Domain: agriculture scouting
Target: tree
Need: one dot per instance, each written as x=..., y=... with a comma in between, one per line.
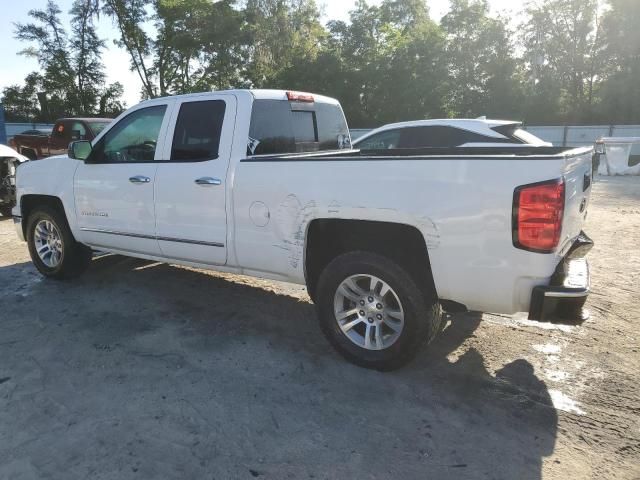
x=620, y=92
x=85, y=50
x=72, y=78
x=564, y=53
x=483, y=74
x=129, y=17
x=21, y=102
x=385, y=65
x=280, y=33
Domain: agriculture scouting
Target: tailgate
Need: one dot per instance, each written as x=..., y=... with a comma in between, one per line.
x=578, y=180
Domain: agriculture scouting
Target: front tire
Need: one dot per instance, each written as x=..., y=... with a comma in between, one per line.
x=373, y=312
x=53, y=250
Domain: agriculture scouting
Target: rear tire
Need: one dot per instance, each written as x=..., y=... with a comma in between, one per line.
x=373, y=312
x=53, y=250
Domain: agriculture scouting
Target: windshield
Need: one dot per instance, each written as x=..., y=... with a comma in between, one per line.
x=97, y=127
x=518, y=135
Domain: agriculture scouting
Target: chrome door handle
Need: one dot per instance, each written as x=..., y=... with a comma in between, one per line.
x=139, y=179
x=208, y=181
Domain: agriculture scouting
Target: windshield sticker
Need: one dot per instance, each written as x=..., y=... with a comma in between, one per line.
x=344, y=141
x=252, y=144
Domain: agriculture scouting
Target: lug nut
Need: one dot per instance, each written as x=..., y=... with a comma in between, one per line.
x=361, y=313
x=371, y=299
x=379, y=306
x=379, y=317
x=370, y=320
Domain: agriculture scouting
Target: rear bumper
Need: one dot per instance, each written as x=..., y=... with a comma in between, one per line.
x=562, y=300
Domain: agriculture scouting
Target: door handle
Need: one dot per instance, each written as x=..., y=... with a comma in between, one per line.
x=139, y=179
x=208, y=181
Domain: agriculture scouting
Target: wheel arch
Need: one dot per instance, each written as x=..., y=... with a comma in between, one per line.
x=403, y=243
x=30, y=153
x=29, y=202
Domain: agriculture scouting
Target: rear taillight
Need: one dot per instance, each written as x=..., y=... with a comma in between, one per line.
x=537, y=216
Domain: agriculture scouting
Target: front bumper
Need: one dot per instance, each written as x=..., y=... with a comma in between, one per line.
x=563, y=299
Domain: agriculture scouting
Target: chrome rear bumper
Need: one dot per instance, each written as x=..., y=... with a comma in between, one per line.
x=562, y=300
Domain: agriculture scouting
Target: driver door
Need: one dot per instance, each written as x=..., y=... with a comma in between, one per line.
x=114, y=187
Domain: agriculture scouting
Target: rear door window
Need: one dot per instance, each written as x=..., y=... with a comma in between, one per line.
x=197, y=133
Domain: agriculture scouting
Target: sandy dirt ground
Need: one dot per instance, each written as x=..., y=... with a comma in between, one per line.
x=146, y=371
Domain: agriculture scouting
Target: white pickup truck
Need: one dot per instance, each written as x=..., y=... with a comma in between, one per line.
x=265, y=183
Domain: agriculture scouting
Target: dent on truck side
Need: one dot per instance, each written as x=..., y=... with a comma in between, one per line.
x=293, y=218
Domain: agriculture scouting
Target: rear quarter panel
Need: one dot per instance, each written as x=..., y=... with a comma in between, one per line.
x=462, y=207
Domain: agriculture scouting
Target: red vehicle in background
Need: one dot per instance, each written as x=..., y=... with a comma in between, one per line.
x=65, y=131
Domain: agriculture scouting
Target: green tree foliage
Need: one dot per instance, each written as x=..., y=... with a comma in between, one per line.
x=563, y=43
x=620, y=92
x=71, y=81
x=21, y=102
x=569, y=60
x=482, y=71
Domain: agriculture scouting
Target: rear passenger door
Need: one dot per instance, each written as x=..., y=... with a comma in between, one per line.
x=190, y=188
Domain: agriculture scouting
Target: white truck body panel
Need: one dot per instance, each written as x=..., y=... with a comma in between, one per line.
x=256, y=220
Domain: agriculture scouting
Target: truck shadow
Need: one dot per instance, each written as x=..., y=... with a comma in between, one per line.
x=267, y=388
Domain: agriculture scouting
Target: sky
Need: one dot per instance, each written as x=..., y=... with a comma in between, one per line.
x=15, y=67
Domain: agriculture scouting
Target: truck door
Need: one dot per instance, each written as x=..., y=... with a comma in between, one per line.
x=114, y=188
x=191, y=216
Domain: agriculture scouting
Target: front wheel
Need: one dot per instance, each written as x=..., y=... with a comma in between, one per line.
x=372, y=311
x=53, y=250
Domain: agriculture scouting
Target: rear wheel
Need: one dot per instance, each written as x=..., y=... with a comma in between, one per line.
x=372, y=311
x=53, y=250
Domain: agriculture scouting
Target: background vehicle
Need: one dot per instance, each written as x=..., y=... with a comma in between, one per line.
x=35, y=146
x=9, y=161
x=263, y=183
x=42, y=133
x=449, y=133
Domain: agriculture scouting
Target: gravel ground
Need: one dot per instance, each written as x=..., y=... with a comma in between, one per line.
x=144, y=371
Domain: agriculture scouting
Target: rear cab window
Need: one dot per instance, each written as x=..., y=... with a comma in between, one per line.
x=281, y=126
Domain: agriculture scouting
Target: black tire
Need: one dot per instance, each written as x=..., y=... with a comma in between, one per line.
x=422, y=312
x=75, y=258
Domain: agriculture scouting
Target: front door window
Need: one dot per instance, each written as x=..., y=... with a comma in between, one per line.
x=132, y=140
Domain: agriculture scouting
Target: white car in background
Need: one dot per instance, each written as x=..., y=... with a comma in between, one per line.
x=449, y=133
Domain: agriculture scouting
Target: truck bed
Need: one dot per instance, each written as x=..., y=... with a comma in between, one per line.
x=460, y=199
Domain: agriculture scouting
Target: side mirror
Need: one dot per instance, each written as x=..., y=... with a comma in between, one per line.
x=79, y=149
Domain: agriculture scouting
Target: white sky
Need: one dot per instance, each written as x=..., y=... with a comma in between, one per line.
x=14, y=67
